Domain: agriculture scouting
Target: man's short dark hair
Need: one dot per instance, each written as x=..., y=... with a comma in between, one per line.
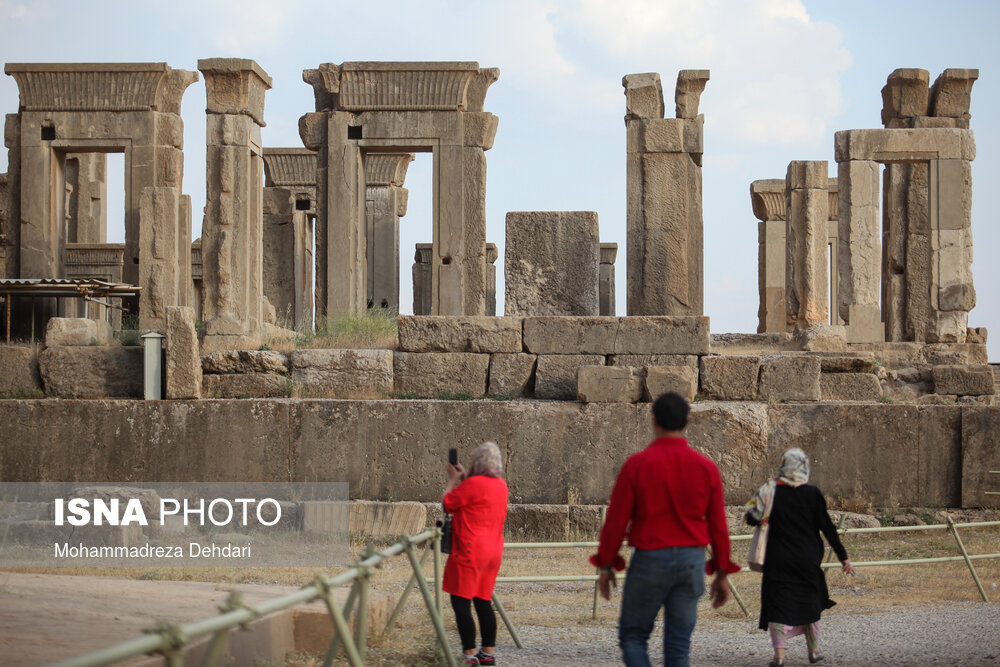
x=671, y=412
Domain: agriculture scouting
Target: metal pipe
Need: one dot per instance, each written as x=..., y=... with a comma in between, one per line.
x=334, y=648
x=406, y=592
x=965, y=555
x=436, y=619
x=604, y=514
x=438, y=583
x=506, y=621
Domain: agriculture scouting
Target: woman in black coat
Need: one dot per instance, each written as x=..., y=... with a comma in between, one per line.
x=793, y=590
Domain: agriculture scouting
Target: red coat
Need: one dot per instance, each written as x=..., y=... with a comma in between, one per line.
x=479, y=509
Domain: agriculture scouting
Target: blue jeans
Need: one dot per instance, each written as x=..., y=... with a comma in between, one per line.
x=673, y=578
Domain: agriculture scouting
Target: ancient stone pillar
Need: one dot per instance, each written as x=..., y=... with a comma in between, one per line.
x=859, y=253
x=87, y=194
x=806, y=237
x=385, y=204
x=664, y=214
x=768, y=200
x=232, y=233
x=491, y=278
x=832, y=232
x=551, y=263
x=606, y=279
x=422, y=262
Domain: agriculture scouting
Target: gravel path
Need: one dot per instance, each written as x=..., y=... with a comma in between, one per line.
x=965, y=633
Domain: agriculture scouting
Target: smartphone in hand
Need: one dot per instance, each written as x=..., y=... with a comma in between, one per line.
x=453, y=456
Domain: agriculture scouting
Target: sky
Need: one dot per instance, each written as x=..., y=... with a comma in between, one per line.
x=785, y=75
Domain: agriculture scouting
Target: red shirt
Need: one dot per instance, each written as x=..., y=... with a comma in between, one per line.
x=479, y=508
x=667, y=495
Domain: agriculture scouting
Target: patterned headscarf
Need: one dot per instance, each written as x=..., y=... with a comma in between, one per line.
x=793, y=471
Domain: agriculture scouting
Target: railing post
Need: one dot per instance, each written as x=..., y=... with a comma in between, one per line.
x=339, y=623
x=968, y=561
x=175, y=640
x=840, y=525
x=361, y=622
x=436, y=619
x=334, y=648
x=406, y=591
x=438, y=583
x=506, y=621
x=600, y=526
x=732, y=589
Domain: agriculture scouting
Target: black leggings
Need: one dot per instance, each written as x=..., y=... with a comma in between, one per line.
x=467, y=627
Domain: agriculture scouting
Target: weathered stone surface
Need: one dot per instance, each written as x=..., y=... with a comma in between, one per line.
x=850, y=387
x=946, y=143
x=537, y=523
x=687, y=94
x=608, y=384
x=617, y=335
x=92, y=372
x=904, y=96
x=951, y=94
x=511, y=375
x=342, y=373
x=437, y=374
x=659, y=380
x=246, y=385
x=459, y=334
x=183, y=360
x=325, y=516
x=19, y=377
x=555, y=374
x=963, y=380
x=807, y=275
x=790, y=378
x=735, y=436
x=641, y=360
x=552, y=263
x=584, y=521
x=77, y=331
x=980, y=454
x=379, y=519
x=854, y=520
x=759, y=343
x=730, y=378
x=643, y=95
x=245, y=361
x=859, y=253
x=855, y=363
x=939, y=463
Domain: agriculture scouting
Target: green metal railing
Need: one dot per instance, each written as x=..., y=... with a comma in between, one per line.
x=171, y=640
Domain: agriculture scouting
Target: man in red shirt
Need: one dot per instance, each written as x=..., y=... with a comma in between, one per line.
x=668, y=497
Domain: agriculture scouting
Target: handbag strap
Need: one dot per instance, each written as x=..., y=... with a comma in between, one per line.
x=769, y=503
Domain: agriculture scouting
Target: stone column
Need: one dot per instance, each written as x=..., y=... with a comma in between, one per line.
x=664, y=213
x=422, y=261
x=385, y=204
x=859, y=251
x=551, y=263
x=86, y=181
x=233, y=229
x=491, y=278
x=606, y=279
x=12, y=229
x=807, y=212
x=768, y=200
x=832, y=231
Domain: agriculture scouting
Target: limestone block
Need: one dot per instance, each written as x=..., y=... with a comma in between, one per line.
x=730, y=378
x=963, y=380
x=342, y=373
x=687, y=94
x=380, y=519
x=235, y=86
x=552, y=263
x=954, y=354
x=511, y=375
x=437, y=374
x=807, y=175
x=445, y=333
x=617, y=335
x=735, y=436
x=92, y=372
x=77, y=331
x=662, y=335
x=659, y=380
x=905, y=95
x=643, y=95
x=475, y=95
x=951, y=94
x=666, y=135
x=245, y=361
x=822, y=338
x=325, y=516
x=899, y=144
x=861, y=362
x=850, y=387
x=537, y=523
x=246, y=385
x=608, y=384
x=555, y=374
x=759, y=343
x=790, y=378
x=183, y=360
x=979, y=455
x=806, y=273
x=584, y=521
x=642, y=360
x=19, y=372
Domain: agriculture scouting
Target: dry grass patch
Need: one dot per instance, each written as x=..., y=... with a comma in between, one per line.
x=375, y=328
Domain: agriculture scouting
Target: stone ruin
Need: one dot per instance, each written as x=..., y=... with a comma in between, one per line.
x=856, y=310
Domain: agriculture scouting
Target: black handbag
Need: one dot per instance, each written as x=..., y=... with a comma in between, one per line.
x=445, y=526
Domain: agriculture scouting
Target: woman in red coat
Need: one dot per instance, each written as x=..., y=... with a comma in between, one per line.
x=477, y=501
